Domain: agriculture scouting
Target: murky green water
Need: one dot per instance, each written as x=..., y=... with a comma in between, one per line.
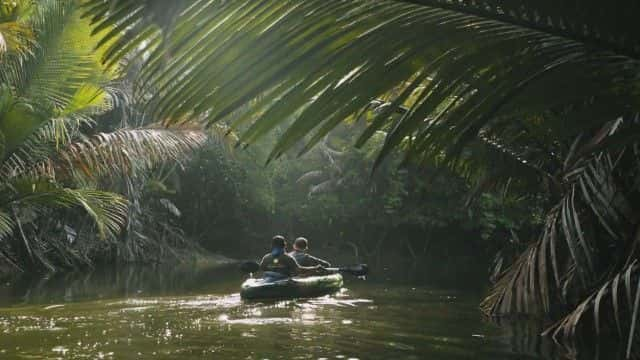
x=181, y=315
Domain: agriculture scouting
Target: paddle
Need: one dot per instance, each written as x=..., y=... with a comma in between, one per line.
x=355, y=270
x=249, y=267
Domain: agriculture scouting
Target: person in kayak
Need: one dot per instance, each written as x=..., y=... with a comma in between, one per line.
x=299, y=253
x=278, y=264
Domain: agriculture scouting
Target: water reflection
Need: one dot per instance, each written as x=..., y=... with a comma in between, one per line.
x=116, y=282
x=181, y=315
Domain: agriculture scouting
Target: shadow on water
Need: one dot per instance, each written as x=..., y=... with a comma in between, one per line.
x=183, y=313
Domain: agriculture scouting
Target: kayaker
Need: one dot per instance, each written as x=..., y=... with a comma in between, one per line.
x=299, y=253
x=278, y=264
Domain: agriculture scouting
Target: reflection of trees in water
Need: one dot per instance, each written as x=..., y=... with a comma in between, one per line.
x=524, y=337
x=123, y=281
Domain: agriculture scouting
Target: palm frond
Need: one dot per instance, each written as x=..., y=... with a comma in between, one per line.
x=65, y=62
x=523, y=288
x=600, y=27
x=121, y=152
x=43, y=144
x=61, y=79
x=618, y=296
x=108, y=210
x=6, y=225
x=303, y=62
x=591, y=217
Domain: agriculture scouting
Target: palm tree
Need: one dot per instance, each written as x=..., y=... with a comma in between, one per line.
x=53, y=87
x=506, y=92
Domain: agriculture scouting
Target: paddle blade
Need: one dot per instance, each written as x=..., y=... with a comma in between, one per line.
x=249, y=267
x=355, y=270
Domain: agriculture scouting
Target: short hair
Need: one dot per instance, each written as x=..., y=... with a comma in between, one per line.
x=278, y=241
x=301, y=243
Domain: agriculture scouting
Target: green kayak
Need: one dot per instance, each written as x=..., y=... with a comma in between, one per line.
x=291, y=288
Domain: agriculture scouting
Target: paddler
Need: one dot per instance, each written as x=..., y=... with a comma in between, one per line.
x=278, y=264
x=299, y=253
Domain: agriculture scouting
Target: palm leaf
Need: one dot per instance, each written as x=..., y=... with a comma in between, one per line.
x=607, y=28
x=606, y=295
x=307, y=59
x=107, y=209
x=590, y=198
x=44, y=143
x=62, y=78
x=6, y=225
x=122, y=152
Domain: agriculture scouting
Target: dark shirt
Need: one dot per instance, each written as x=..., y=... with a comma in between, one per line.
x=283, y=264
x=305, y=259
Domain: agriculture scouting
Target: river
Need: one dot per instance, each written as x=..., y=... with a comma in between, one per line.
x=138, y=313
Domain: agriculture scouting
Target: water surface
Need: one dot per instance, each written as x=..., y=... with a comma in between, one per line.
x=152, y=313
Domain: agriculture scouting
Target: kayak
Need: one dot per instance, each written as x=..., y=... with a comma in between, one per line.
x=295, y=287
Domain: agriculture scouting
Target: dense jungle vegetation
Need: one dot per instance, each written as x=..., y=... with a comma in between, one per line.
x=138, y=131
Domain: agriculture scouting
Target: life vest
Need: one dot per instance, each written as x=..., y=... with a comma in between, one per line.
x=300, y=257
x=277, y=264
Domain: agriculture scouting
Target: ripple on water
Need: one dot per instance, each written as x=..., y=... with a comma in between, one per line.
x=168, y=304
x=367, y=324
x=60, y=350
x=260, y=321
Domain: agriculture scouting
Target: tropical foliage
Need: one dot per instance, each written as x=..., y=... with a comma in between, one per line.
x=534, y=95
x=329, y=196
x=53, y=88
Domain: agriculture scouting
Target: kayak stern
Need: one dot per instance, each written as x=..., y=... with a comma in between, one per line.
x=296, y=287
